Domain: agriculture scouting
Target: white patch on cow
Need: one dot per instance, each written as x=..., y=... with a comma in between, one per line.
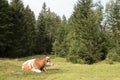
x=29, y=63
x=36, y=70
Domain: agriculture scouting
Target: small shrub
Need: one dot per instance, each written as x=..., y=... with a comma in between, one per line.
x=112, y=55
x=109, y=61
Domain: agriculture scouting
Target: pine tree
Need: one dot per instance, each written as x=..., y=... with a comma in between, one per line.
x=85, y=30
x=5, y=28
x=103, y=41
x=42, y=38
x=113, y=21
x=53, y=22
x=48, y=23
x=18, y=29
x=59, y=44
x=30, y=30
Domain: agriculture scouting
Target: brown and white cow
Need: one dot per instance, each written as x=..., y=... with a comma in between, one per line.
x=37, y=65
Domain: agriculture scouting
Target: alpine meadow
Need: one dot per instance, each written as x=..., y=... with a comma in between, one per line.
x=86, y=46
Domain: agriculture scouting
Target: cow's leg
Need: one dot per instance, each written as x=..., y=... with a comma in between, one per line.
x=44, y=69
x=36, y=70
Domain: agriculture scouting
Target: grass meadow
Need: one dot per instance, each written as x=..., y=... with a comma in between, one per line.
x=10, y=69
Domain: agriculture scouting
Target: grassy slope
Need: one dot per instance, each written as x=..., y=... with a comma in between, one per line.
x=10, y=69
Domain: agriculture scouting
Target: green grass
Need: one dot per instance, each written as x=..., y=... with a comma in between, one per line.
x=10, y=69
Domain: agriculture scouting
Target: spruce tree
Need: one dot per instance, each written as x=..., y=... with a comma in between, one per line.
x=19, y=29
x=48, y=23
x=59, y=44
x=5, y=29
x=113, y=21
x=85, y=30
x=42, y=38
x=30, y=30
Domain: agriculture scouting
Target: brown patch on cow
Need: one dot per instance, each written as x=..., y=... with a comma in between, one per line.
x=40, y=63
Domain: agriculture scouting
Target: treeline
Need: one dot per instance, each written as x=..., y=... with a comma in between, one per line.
x=89, y=35
x=21, y=34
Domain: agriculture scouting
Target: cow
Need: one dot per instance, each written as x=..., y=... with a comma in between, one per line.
x=36, y=65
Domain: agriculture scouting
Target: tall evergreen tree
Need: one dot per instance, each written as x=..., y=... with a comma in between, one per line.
x=42, y=38
x=30, y=30
x=113, y=21
x=85, y=30
x=53, y=22
x=47, y=24
x=5, y=28
x=19, y=29
x=59, y=44
x=104, y=40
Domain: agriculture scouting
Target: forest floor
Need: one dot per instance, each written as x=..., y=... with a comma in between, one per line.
x=10, y=69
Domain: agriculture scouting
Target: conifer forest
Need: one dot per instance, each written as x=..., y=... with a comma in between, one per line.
x=91, y=34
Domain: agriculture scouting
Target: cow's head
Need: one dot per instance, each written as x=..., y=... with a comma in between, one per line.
x=48, y=63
